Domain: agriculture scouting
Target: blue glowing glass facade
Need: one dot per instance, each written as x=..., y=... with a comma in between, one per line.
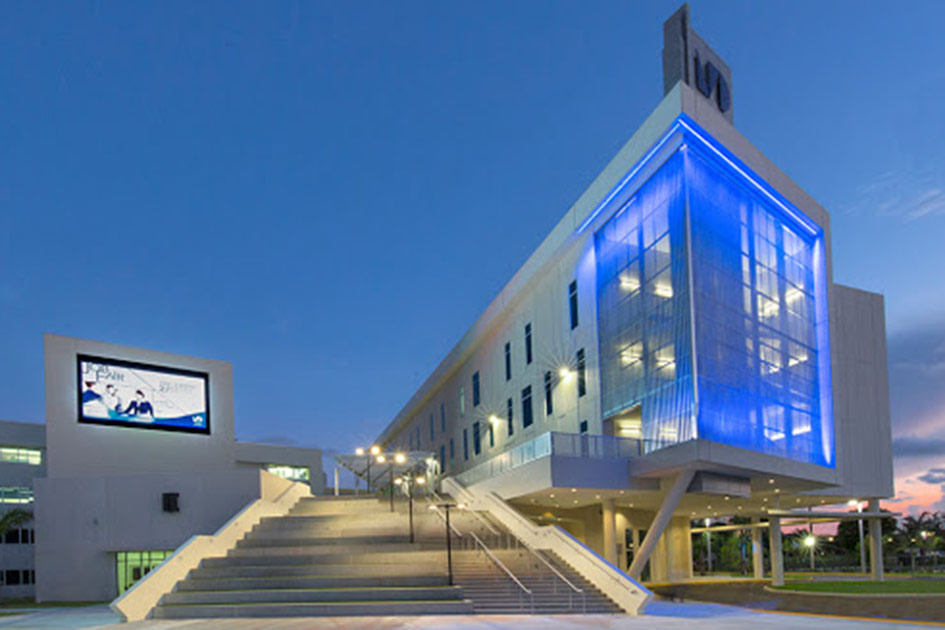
x=644, y=312
x=712, y=309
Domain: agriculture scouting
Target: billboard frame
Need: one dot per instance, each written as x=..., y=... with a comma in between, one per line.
x=82, y=419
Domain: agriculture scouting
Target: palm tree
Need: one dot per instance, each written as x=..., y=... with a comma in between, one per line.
x=14, y=519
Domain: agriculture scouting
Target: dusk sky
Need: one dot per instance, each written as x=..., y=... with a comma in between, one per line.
x=328, y=194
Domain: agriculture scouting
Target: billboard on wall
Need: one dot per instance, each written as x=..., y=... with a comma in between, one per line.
x=122, y=393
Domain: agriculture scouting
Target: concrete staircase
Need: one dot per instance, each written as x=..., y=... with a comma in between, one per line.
x=342, y=556
x=327, y=557
x=493, y=592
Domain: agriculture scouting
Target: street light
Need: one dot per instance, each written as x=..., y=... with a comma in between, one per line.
x=449, y=544
x=810, y=542
x=407, y=483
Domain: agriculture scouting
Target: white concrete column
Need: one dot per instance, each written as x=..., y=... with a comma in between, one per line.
x=876, y=544
x=757, y=550
x=663, y=516
x=777, y=554
x=608, y=515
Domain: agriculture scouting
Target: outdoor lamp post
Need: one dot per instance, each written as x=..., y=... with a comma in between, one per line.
x=810, y=542
x=406, y=482
x=449, y=542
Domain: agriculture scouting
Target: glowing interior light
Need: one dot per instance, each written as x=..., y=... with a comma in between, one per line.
x=632, y=354
x=663, y=290
x=796, y=360
x=629, y=282
x=668, y=433
x=792, y=295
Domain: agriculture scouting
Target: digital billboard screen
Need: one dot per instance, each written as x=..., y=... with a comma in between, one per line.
x=122, y=393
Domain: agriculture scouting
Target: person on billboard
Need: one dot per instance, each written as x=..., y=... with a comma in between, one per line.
x=140, y=406
x=112, y=399
x=90, y=395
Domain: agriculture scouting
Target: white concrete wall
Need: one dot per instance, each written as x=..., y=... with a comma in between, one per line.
x=90, y=450
x=253, y=455
x=82, y=521
x=861, y=394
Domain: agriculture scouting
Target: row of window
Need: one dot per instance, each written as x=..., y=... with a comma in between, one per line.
x=528, y=416
x=292, y=473
x=20, y=455
x=19, y=537
x=414, y=436
x=17, y=577
x=16, y=494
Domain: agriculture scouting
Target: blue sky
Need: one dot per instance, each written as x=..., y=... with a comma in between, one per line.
x=327, y=194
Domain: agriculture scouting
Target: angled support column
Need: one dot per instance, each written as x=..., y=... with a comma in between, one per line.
x=757, y=551
x=876, y=544
x=777, y=554
x=665, y=513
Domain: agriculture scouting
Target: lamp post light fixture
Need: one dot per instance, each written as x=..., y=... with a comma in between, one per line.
x=449, y=544
x=408, y=483
x=810, y=541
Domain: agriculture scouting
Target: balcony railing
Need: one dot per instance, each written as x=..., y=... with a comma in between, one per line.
x=554, y=443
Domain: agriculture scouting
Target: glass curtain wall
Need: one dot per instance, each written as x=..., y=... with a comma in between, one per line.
x=755, y=273
x=644, y=310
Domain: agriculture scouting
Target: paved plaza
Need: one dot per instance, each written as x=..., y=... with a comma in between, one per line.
x=660, y=615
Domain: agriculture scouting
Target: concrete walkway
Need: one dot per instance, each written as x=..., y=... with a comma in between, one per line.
x=660, y=616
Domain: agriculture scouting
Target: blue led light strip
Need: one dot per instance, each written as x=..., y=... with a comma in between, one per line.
x=682, y=122
x=629, y=176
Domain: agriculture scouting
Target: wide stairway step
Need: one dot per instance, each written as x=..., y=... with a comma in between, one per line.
x=328, y=609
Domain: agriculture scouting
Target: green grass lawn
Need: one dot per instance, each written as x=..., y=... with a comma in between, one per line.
x=869, y=588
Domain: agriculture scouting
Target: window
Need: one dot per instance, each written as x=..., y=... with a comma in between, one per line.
x=573, y=303
x=16, y=494
x=508, y=412
x=549, y=403
x=583, y=426
x=508, y=361
x=465, y=444
x=12, y=537
x=491, y=436
x=294, y=473
x=443, y=417
x=477, y=440
x=431, y=427
x=29, y=576
x=418, y=438
x=11, y=578
x=18, y=455
x=462, y=401
x=134, y=565
x=527, y=406
x=476, y=389
x=528, y=344
x=442, y=458
x=581, y=373
x=452, y=452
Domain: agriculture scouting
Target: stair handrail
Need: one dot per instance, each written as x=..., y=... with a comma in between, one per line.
x=537, y=555
x=476, y=515
x=558, y=573
x=508, y=572
x=436, y=510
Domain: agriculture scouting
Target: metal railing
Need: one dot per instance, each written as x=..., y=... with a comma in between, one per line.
x=562, y=445
x=508, y=541
x=525, y=594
